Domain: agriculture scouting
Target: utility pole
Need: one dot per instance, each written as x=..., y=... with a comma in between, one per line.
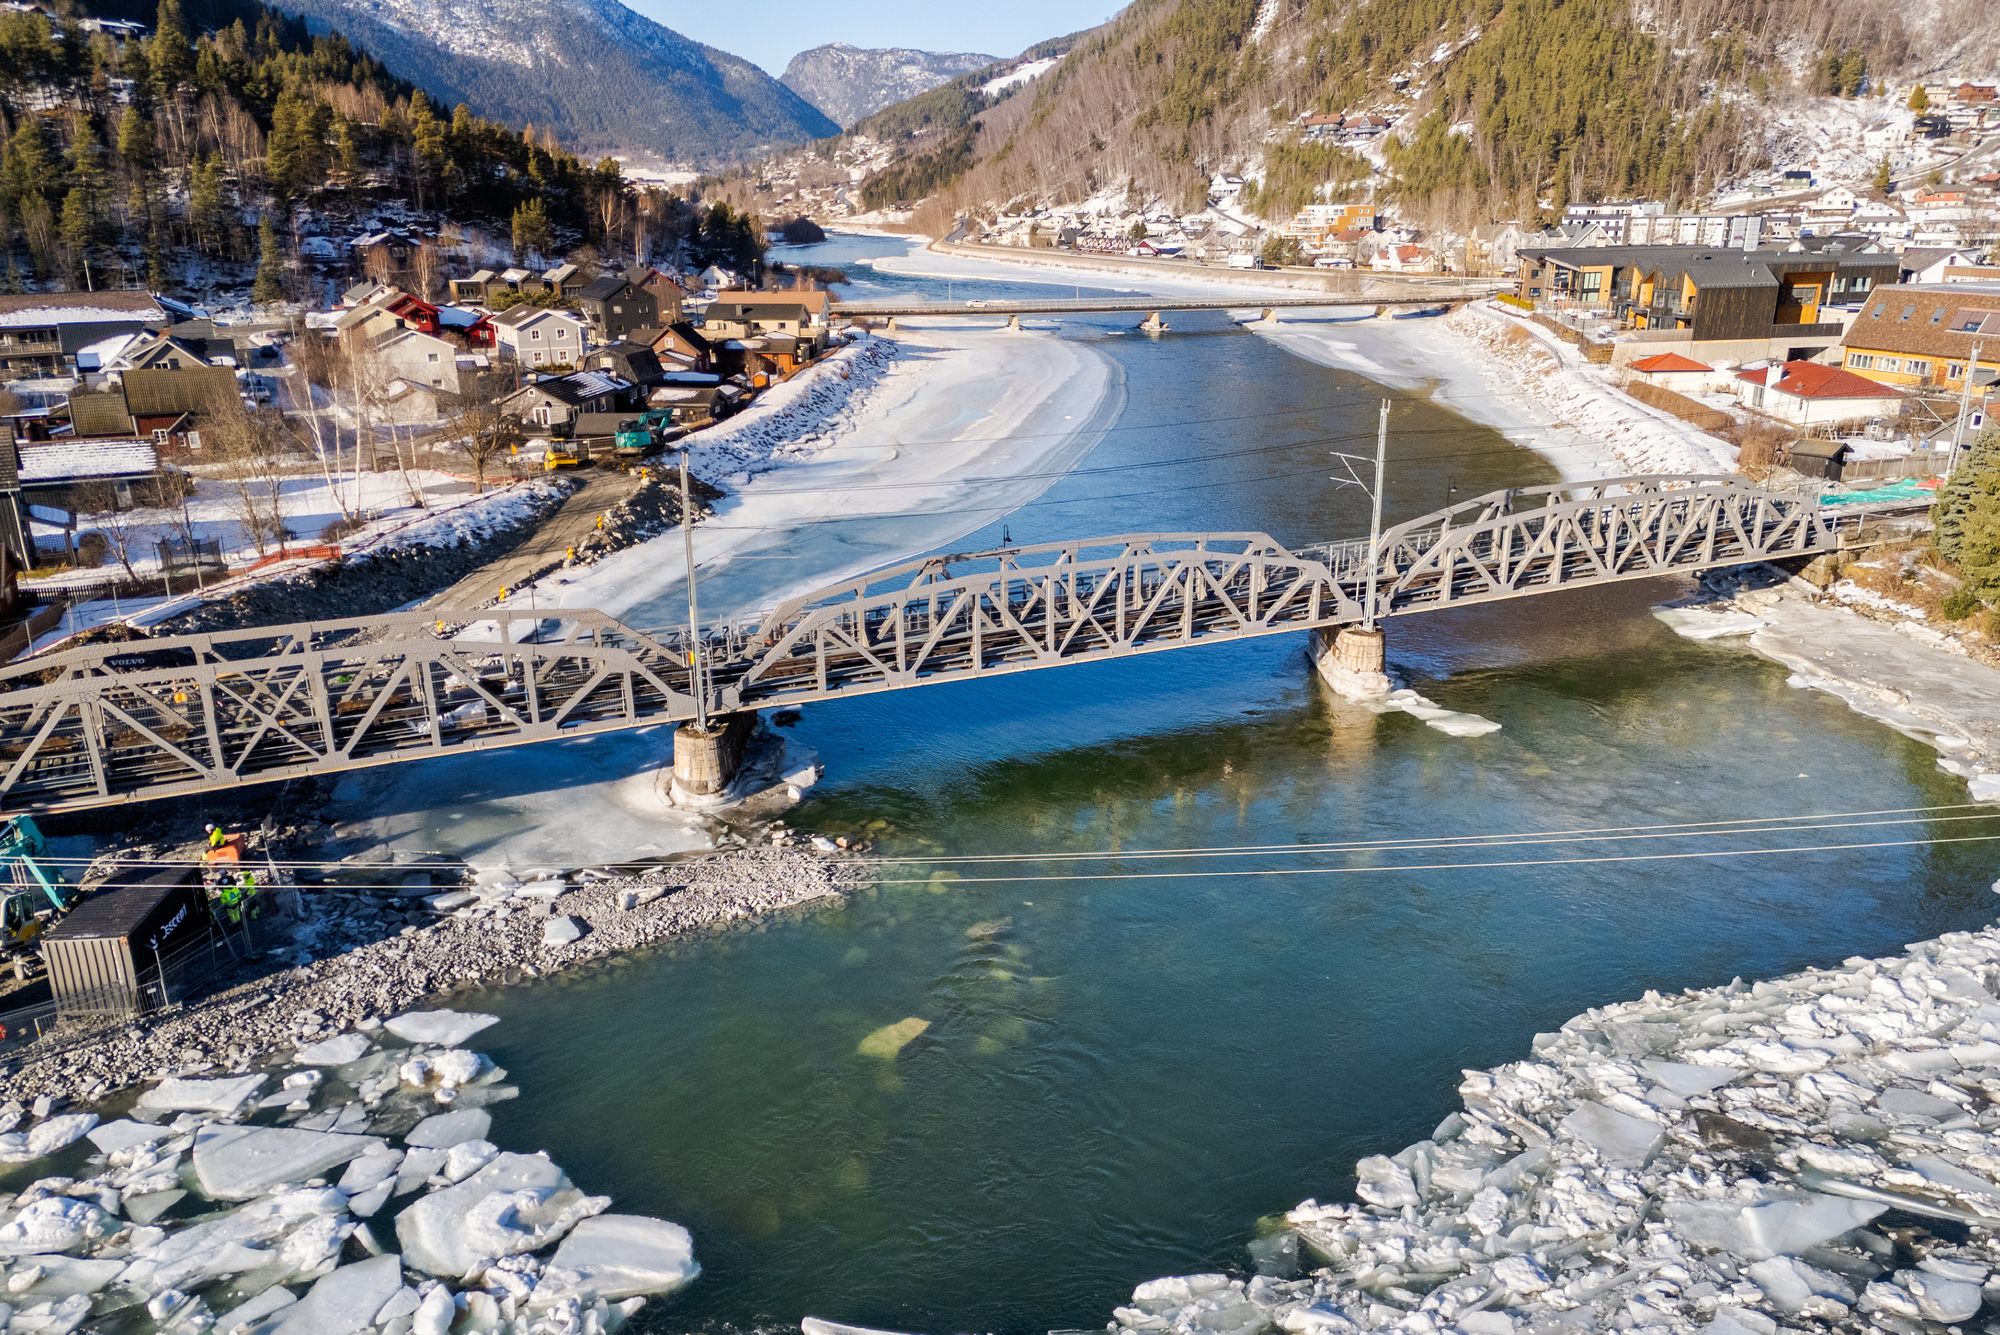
x=695, y=677
x=1964, y=411
x=1375, y=517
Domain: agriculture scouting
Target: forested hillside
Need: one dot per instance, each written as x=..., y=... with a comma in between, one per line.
x=184, y=158
x=1503, y=106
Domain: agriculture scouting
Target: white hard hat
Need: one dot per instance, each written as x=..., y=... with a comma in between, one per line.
x=208, y=829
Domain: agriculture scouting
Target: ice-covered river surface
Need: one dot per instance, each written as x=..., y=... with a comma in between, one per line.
x=1120, y=1076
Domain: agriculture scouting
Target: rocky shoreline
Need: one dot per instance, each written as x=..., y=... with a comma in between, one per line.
x=386, y=950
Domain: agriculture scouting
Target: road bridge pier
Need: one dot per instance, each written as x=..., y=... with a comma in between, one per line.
x=1154, y=323
x=1352, y=660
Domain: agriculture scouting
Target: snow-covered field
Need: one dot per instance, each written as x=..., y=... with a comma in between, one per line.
x=307, y=503
x=453, y=515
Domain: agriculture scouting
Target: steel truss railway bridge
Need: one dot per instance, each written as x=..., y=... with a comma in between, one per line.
x=165, y=717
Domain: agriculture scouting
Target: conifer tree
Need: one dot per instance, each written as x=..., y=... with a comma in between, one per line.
x=81, y=229
x=207, y=204
x=1920, y=101
x=269, y=285
x=1974, y=484
x=532, y=233
x=169, y=54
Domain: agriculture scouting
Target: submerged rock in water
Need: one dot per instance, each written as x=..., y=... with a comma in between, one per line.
x=885, y=1043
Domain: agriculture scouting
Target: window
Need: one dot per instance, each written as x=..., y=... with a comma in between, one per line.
x=1861, y=361
x=1954, y=371
x=1915, y=365
x=1937, y=316
x=1909, y=311
x=535, y=334
x=433, y=357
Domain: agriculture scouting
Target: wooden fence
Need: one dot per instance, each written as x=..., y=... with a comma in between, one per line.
x=1927, y=464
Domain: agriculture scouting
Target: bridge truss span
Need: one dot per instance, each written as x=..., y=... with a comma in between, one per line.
x=1536, y=539
x=955, y=617
x=164, y=717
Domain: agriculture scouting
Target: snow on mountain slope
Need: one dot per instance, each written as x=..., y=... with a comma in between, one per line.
x=849, y=82
x=603, y=77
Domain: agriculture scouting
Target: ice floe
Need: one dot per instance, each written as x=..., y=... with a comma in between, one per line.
x=1817, y=1151
x=447, y=1029
x=287, y=1229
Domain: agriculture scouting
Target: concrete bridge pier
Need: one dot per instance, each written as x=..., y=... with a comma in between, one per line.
x=1014, y=321
x=1154, y=323
x=1352, y=661
x=1270, y=316
x=707, y=760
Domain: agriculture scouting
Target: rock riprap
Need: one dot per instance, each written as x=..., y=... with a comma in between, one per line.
x=492, y=933
x=343, y=1201
x=1818, y=1152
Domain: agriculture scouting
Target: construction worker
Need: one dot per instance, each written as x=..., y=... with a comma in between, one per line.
x=246, y=884
x=231, y=900
x=216, y=838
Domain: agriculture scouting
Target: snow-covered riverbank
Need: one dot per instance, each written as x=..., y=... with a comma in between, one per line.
x=1516, y=378
x=1809, y=1152
x=906, y=443
x=1480, y=362
x=1895, y=670
x=890, y=448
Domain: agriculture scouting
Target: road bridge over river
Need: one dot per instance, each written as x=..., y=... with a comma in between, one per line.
x=1156, y=308
x=95, y=726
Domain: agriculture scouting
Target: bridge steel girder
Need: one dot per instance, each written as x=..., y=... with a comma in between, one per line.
x=957, y=617
x=1537, y=539
x=212, y=712
x=168, y=717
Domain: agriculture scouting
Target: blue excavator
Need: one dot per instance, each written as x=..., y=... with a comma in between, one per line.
x=33, y=894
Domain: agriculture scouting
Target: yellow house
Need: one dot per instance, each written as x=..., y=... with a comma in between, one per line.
x=1925, y=335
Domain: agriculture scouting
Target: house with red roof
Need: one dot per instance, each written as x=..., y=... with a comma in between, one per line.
x=1670, y=370
x=1813, y=394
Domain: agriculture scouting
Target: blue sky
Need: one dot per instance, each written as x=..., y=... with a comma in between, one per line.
x=771, y=32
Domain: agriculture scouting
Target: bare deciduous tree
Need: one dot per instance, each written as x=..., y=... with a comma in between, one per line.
x=478, y=427
x=251, y=447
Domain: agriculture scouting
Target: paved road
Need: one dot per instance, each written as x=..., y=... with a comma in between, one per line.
x=573, y=521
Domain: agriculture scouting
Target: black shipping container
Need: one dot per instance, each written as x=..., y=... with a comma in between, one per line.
x=107, y=955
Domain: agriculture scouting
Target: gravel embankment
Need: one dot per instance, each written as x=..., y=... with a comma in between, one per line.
x=426, y=946
x=367, y=584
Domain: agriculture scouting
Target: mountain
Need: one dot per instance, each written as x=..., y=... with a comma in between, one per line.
x=604, y=78
x=1498, y=107
x=848, y=82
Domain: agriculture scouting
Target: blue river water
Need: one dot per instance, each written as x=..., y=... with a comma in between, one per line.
x=1129, y=1059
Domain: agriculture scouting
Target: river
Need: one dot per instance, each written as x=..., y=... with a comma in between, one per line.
x=1120, y=1076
